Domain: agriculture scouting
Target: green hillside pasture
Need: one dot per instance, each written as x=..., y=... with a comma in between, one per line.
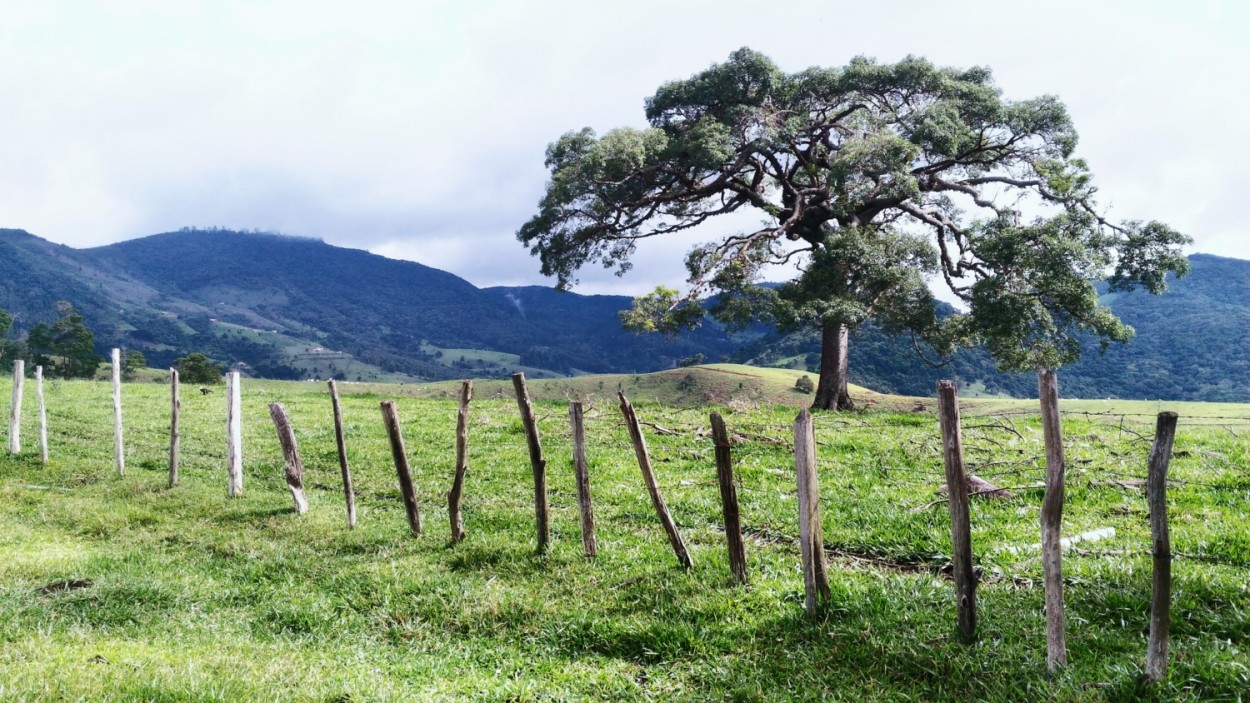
x=116, y=588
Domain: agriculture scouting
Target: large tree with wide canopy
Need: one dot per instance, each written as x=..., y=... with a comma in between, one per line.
x=870, y=177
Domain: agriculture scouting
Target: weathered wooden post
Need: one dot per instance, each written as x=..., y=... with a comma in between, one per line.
x=43, y=415
x=234, y=435
x=729, y=499
x=349, y=492
x=462, y=462
x=811, y=531
x=15, y=407
x=648, y=477
x=118, y=443
x=294, y=468
x=961, y=524
x=585, y=509
x=175, y=416
x=537, y=462
x=1156, y=496
x=400, y=456
x=1052, y=521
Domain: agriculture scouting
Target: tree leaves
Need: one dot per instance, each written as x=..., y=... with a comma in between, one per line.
x=843, y=163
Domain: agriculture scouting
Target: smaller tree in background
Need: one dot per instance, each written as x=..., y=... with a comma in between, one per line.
x=66, y=348
x=9, y=349
x=197, y=368
x=132, y=361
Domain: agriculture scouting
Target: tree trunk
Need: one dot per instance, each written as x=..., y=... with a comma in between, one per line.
x=831, y=393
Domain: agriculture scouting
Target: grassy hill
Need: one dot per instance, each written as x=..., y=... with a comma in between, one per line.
x=117, y=588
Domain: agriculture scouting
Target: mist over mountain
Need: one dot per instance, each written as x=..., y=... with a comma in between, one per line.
x=290, y=307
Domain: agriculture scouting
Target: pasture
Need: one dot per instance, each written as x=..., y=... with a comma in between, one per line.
x=118, y=588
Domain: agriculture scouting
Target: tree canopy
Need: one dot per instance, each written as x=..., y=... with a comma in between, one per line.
x=197, y=368
x=66, y=348
x=843, y=161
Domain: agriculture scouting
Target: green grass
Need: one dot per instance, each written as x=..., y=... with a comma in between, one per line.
x=197, y=597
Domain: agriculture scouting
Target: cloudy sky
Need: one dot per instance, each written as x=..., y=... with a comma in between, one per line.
x=417, y=129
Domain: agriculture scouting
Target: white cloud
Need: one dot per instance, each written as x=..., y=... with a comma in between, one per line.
x=418, y=129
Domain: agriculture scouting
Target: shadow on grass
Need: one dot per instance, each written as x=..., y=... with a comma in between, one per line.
x=250, y=516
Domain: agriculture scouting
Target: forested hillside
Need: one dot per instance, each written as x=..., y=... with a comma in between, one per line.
x=1192, y=343
x=288, y=307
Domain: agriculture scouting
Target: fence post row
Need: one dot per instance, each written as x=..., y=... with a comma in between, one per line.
x=585, y=510
x=293, y=467
x=961, y=526
x=1161, y=596
x=175, y=438
x=811, y=532
x=815, y=568
x=537, y=463
x=1052, y=521
x=118, y=443
x=234, y=435
x=349, y=493
x=15, y=407
x=729, y=499
x=462, y=462
x=400, y=456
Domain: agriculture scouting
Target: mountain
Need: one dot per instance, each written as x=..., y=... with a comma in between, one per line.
x=1192, y=343
x=290, y=307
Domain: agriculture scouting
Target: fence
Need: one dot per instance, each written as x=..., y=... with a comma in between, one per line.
x=962, y=486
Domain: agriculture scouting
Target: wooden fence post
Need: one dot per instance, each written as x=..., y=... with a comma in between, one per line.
x=234, y=435
x=1052, y=521
x=175, y=417
x=648, y=477
x=400, y=456
x=462, y=462
x=1156, y=496
x=43, y=415
x=294, y=468
x=118, y=443
x=537, y=462
x=811, y=532
x=576, y=423
x=729, y=499
x=961, y=524
x=349, y=493
x=15, y=407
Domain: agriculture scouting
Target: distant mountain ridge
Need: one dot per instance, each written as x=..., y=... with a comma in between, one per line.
x=270, y=300
x=290, y=307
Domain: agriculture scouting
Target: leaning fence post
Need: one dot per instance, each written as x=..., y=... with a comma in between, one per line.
x=294, y=468
x=462, y=462
x=43, y=415
x=349, y=493
x=729, y=499
x=234, y=435
x=15, y=407
x=648, y=477
x=118, y=444
x=811, y=532
x=589, y=546
x=537, y=462
x=1156, y=496
x=175, y=438
x=961, y=526
x=400, y=456
x=1052, y=521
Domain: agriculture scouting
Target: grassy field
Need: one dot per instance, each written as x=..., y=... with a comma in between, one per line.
x=116, y=588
